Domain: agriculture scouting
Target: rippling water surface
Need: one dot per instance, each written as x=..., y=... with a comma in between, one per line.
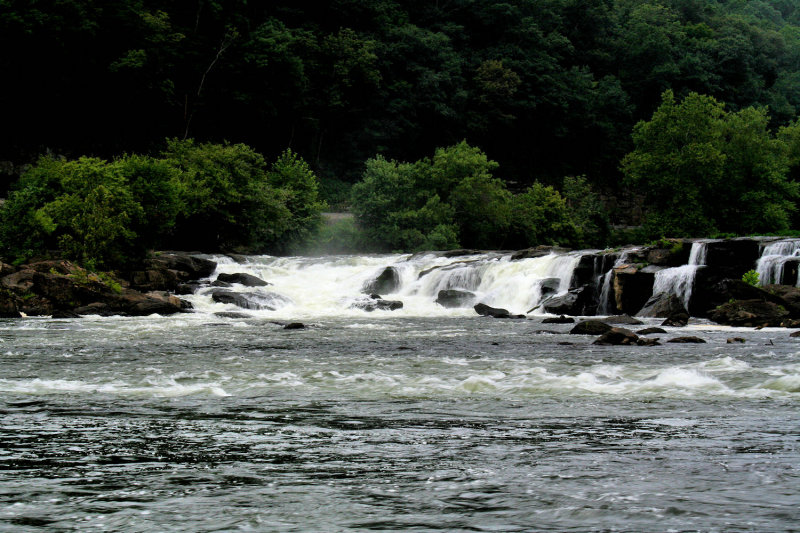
x=197, y=423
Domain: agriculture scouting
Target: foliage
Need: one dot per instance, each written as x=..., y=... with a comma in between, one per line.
x=705, y=170
x=587, y=211
x=542, y=217
x=751, y=277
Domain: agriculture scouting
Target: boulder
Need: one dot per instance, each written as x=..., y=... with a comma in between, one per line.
x=190, y=287
x=650, y=331
x=676, y=320
x=171, y=299
x=97, y=308
x=250, y=300
x=750, y=313
x=153, y=279
x=248, y=280
x=617, y=337
x=633, y=286
x=455, y=298
x=591, y=268
x=732, y=257
x=662, y=305
x=494, y=312
x=676, y=255
x=647, y=342
x=8, y=305
x=622, y=319
x=687, y=340
x=386, y=282
x=294, y=325
x=65, y=314
x=789, y=297
x=575, y=302
x=187, y=266
x=590, y=327
x=549, y=286
x=795, y=334
x=232, y=314
x=559, y=320
x=223, y=284
x=375, y=303
x=735, y=340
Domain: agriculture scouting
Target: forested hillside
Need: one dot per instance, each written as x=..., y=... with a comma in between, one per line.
x=547, y=88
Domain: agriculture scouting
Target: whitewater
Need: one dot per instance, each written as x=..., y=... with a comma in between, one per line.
x=421, y=419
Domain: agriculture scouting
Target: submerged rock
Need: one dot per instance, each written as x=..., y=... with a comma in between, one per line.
x=677, y=320
x=294, y=325
x=232, y=314
x=687, y=340
x=650, y=331
x=559, y=320
x=590, y=327
x=251, y=300
x=375, y=303
x=622, y=319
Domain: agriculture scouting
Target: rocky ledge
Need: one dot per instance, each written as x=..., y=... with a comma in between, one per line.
x=60, y=288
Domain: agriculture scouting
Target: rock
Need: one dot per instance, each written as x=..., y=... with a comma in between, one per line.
x=373, y=304
x=495, y=312
x=545, y=332
x=617, y=337
x=795, y=334
x=733, y=340
x=676, y=255
x=549, y=286
x=294, y=325
x=590, y=327
x=452, y=298
x=789, y=297
x=19, y=281
x=676, y=320
x=232, y=314
x=65, y=314
x=633, y=286
x=575, y=302
x=187, y=266
x=749, y=313
x=591, y=268
x=191, y=287
x=650, y=331
x=732, y=257
x=687, y=340
x=238, y=258
x=622, y=319
x=662, y=305
x=386, y=282
x=248, y=280
x=171, y=299
x=648, y=342
x=559, y=320
x=8, y=305
x=154, y=279
x=250, y=300
x=222, y=284
x=532, y=253
x=99, y=309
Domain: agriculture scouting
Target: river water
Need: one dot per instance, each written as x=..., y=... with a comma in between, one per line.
x=406, y=421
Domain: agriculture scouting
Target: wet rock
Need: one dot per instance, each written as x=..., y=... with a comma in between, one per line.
x=676, y=255
x=374, y=304
x=622, y=319
x=733, y=257
x=532, y=253
x=795, y=334
x=232, y=314
x=250, y=300
x=63, y=313
x=750, y=313
x=617, y=337
x=687, y=340
x=386, y=282
x=248, y=280
x=735, y=340
x=494, y=312
x=575, y=302
x=222, y=284
x=453, y=298
x=191, y=287
x=591, y=269
x=549, y=286
x=633, y=286
x=676, y=320
x=546, y=332
x=590, y=327
x=171, y=299
x=8, y=305
x=98, y=309
x=559, y=320
x=650, y=331
x=662, y=305
x=647, y=342
x=294, y=325
x=187, y=266
x=789, y=297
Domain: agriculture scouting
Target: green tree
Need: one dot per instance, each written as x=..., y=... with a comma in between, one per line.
x=541, y=216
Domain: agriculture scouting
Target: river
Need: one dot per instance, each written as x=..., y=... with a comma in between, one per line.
x=422, y=419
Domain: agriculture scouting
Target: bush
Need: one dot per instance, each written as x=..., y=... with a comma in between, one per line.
x=751, y=277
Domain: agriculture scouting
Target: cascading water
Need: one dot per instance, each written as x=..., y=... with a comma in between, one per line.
x=604, y=300
x=680, y=280
x=328, y=286
x=773, y=260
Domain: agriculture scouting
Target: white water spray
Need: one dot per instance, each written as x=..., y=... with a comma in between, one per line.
x=680, y=280
x=771, y=264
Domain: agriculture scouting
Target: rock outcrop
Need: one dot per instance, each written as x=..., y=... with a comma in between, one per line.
x=386, y=282
x=452, y=298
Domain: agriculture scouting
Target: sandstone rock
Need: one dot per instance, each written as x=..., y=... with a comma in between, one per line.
x=590, y=327
x=687, y=340
x=386, y=282
x=633, y=286
x=617, y=337
x=662, y=305
x=452, y=298
x=248, y=280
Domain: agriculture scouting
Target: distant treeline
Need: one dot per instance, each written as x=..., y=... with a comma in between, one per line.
x=547, y=88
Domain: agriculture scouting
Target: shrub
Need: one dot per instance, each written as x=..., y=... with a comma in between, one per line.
x=751, y=277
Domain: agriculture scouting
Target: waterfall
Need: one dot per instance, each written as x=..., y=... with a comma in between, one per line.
x=680, y=280
x=328, y=286
x=774, y=257
x=603, y=307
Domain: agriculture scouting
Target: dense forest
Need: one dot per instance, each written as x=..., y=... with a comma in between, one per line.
x=542, y=90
